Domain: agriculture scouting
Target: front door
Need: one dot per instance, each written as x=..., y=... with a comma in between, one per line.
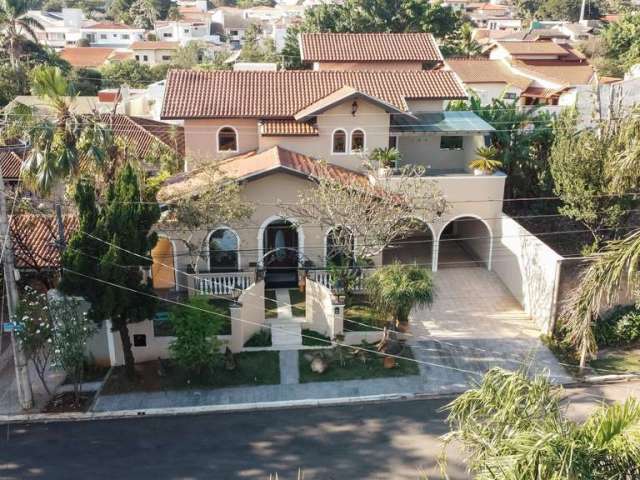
x=281, y=253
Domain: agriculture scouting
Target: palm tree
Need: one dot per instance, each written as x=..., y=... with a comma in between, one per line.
x=513, y=428
x=395, y=289
x=63, y=145
x=616, y=268
x=465, y=43
x=15, y=25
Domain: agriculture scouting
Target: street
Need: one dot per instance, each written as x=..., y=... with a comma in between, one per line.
x=394, y=440
x=390, y=440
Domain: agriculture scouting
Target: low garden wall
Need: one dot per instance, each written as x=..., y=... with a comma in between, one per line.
x=248, y=317
x=530, y=269
x=322, y=314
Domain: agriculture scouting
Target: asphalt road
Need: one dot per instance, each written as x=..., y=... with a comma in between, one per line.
x=376, y=441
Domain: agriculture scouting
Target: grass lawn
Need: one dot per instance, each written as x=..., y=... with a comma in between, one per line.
x=361, y=317
x=298, y=299
x=618, y=360
x=262, y=338
x=311, y=338
x=355, y=369
x=252, y=368
x=270, y=304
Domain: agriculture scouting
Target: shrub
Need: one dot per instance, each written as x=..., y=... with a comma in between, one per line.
x=262, y=338
x=196, y=348
x=620, y=326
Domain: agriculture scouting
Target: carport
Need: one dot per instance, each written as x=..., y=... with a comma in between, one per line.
x=465, y=241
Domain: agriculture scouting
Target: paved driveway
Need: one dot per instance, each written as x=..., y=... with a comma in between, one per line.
x=473, y=325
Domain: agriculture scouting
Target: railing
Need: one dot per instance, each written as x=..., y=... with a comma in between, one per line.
x=323, y=277
x=223, y=283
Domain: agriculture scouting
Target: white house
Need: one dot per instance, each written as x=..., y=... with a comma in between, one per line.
x=111, y=34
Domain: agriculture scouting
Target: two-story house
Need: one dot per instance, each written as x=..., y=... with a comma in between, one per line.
x=270, y=130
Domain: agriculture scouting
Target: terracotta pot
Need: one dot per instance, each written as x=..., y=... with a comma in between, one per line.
x=477, y=172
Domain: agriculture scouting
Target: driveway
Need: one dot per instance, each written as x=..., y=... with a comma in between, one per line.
x=474, y=324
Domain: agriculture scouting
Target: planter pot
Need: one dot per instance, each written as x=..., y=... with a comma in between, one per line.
x=478, y=172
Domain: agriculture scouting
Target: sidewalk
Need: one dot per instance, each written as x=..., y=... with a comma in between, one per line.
x=9, y=390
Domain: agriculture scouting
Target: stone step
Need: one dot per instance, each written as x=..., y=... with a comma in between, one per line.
x=285, y=334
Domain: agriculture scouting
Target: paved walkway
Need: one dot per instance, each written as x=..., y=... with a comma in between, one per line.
x=286, y=330
x=289, y=367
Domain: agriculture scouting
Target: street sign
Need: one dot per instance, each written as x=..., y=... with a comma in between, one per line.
x=10, y=327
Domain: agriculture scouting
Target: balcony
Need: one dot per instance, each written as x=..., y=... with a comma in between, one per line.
x=220, y=283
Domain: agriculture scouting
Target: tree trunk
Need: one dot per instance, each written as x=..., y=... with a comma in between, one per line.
x=583, y=356
x=129, y=361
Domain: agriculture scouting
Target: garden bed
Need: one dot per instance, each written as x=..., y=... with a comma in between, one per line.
x=65, y=402
x=617, y=360
x=262, y=338
x=354, y=368
x=252, y=368
x=311, y=338
x=162, y=324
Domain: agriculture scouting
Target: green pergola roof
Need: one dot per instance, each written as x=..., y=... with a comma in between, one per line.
x=451, y=123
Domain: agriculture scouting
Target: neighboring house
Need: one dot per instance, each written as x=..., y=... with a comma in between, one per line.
x=185, y=31
x=230, y=23
x=111, y=34
x=370, y=51
x=10, y=163
x=489, y=79
x=493, y=17
x=154, y=53
x=81, y=105
x=555, y=69
x=87, y=57
x=274, y=147
x=60, y=29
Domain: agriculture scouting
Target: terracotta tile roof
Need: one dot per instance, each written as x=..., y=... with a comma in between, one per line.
x=538, y=92
x=159, y=45
x=368, y=47
x=34, y=239
x=10, y=162
x=534, y=48
x=251, y=164
x=474, y=70
x=214, y=94
x=287, y=128
x=143, y=133
x=111, y=26
x=565, y=73
x=86, y=56
x=121, y=56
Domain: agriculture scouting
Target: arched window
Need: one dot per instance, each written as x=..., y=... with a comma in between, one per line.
x=339, y=247
x=357, y=141
x=223, y=250
x=339, y=142
x=227, y=140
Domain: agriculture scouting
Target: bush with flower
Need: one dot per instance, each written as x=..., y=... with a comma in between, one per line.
x=34, y=329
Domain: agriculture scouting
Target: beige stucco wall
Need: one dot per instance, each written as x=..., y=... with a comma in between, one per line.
x=425, y=151
x=154, y=57
x=529, y=269
x=368, y=66
x=418, y=106
x=200, y=138
x=373, y=120
x=319, y=310
x=249, y=317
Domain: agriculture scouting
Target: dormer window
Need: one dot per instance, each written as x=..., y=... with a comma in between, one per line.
x=357, y=141
x=227, y=140
x=339, y=142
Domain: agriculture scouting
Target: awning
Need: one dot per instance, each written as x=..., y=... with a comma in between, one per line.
x=450, y=123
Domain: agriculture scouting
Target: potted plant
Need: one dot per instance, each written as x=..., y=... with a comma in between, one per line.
x=386, y=158
x=486, y=162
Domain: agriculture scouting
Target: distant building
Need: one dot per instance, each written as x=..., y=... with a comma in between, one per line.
x=154, y=53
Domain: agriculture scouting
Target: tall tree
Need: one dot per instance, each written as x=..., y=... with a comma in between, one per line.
x=291, y=50
x=580, y=161
x=108, y=272
x=462, y=43
x=616, y=267
x=16, y=25
x=144, y=14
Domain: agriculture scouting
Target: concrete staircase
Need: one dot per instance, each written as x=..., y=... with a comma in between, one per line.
x=286, y=332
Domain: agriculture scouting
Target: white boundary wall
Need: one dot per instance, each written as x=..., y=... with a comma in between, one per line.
x=530, y=269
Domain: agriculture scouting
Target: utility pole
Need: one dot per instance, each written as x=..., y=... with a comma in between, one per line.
x=582, y=10
x=25, y=394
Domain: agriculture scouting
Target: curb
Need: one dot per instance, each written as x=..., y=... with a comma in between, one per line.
x=611, y=378
x=206, y=409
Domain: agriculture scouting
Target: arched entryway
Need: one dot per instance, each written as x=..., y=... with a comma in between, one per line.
x=163, y=273
x=465, y=241
x=280, y=253
x=414, y=248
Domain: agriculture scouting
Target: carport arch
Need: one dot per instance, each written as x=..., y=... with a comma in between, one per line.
x=429, y=229
x=436, y=246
